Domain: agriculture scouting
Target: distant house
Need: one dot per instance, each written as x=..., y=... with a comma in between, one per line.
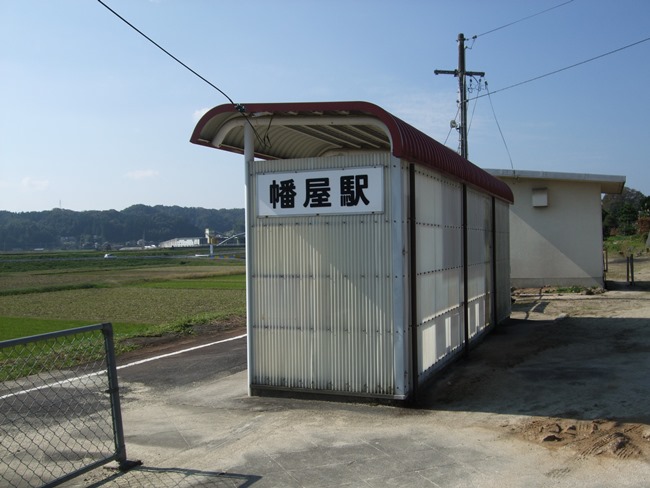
x=556, y=236
x=184, y=242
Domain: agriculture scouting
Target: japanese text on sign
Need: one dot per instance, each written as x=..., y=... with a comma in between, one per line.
x=353, y=190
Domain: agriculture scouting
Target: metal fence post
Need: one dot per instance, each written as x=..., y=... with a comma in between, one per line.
x=54, y=412
x=114, y=392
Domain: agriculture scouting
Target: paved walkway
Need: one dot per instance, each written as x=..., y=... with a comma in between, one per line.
x=210, y=433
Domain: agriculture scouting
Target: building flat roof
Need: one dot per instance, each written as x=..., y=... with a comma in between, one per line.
x=608, y=183
x=319, y=129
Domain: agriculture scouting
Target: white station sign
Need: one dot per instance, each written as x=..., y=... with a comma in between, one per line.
x=340, y=191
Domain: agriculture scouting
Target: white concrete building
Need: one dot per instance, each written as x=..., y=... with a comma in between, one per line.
x=184, y=242
x=556, y=235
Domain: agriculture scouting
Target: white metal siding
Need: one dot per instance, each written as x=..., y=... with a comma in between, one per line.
x=321, y=316
x=439, y=269
x=329, y=295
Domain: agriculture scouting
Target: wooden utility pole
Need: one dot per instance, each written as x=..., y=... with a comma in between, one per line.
x=462, y=88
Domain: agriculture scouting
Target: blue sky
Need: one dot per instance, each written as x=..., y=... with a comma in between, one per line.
x=94, y=117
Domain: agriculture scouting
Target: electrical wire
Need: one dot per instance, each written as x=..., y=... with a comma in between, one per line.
x=451, y=127
x=478, y=90
x=265, y=142
x=499, y=126
x=563, y=69
x=169, y=54
x=521, y=20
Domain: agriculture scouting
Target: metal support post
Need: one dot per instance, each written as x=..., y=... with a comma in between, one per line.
x=249, y=157
x=465, y=273
x=116, y=409
x=415, y=363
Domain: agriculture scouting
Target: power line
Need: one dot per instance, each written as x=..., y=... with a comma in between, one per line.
x=239, y=107
x=563, y=69
x=470, y=89
x=499, y=126
x=452, y=126
x=522, y=19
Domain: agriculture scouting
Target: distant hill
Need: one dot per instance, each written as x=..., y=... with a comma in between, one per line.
x=67, y=229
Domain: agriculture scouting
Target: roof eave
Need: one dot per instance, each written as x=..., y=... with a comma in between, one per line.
x=406, y=142
x=611, y=184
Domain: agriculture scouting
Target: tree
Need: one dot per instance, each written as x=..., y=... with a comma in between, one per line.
x=92, y=228
x=627, y=218
x=620, y=212
x=644, y=207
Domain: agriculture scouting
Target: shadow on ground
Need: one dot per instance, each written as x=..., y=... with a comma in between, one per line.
x=582, y=368
x=579, y=382
x=148, y=477
x=622, y=278
x=625, y=286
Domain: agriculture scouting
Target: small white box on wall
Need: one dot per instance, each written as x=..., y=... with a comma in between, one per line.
x=540, y=197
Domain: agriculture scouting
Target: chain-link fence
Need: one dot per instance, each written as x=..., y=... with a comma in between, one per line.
x=59, y=406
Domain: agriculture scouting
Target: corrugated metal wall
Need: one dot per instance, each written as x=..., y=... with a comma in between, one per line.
x=439, y=269
x=329, y=294
x=321, y=290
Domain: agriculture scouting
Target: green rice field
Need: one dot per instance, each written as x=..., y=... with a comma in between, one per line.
x=140, y=295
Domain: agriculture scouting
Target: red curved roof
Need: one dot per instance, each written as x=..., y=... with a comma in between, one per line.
x=309, y=129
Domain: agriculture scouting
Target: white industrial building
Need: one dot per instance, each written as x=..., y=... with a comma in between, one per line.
x=375, y=255
x=184, y=242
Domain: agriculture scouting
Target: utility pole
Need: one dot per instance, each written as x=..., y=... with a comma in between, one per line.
x=462, y=88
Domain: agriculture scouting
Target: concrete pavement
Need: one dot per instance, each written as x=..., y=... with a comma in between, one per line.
x=206, y=431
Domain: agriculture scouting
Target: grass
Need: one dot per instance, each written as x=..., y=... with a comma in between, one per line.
x=98, y=263
x=48, y=355
x=43, y=358
x=139, y=305
x=140, y=295
x=570, y=289
x=45, y=289
x=233, y=282
x=625, y=245
x=15, y=327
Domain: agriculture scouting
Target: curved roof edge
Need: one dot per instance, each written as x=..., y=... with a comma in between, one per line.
x=406, y=141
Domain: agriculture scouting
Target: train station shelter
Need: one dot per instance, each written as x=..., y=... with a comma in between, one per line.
x=375, y=255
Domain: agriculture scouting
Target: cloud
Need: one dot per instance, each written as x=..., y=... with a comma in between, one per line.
x=196, y=116
x=29, y=183
x=430, y=112
x=142, y=174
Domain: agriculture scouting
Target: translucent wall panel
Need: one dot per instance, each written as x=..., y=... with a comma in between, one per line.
x=479, y=256
x=439, y=274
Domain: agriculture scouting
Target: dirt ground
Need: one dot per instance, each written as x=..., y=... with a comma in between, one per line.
x=573, y=366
